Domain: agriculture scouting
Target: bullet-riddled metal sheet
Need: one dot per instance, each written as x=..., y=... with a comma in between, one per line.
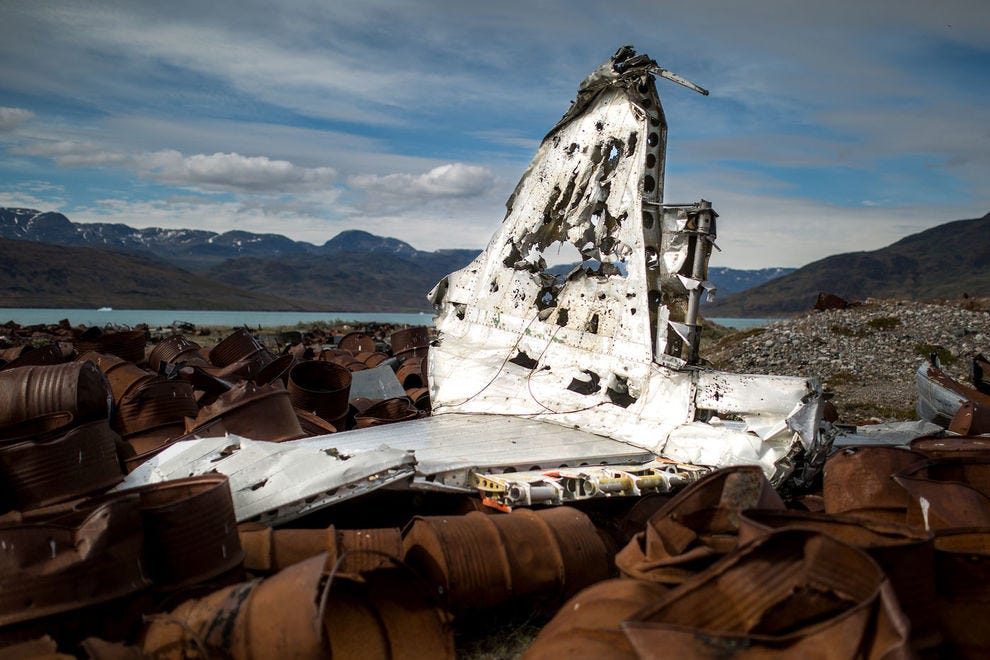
x=277, y=482
x=603, y=349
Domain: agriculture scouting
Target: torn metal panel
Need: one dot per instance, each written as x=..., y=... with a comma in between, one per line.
x=274, y=483
x=607, y=349
x=449, y=448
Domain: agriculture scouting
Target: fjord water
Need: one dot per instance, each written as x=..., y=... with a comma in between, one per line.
x=167, y=317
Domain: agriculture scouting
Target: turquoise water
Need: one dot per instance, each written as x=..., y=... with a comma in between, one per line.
x=166, y=317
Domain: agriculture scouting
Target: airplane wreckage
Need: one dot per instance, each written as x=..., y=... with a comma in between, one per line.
x=546, y=389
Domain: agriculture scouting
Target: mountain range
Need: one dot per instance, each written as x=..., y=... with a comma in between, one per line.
x=942, y=262
x=356, y=271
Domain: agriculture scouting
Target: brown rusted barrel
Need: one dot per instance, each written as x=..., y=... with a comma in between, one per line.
x=234, y=347
x=791, y=593
x=256, y=412
x=858, y=480
x=190, y=530
x=320, y=387
x=274, y=618
x=962, y=571
x=52, y=567
x=414, y=337
x=76, y=387
x=479, y=560
x=357, y=342
x=905, y=553
x=81, y=461
x=127, y=345
x=172, y=349
x=154, y=404
x=122, y=375
x=589, y=624
x=276, y=370
x=268, y=549
x=386, y=411
x=386, y=615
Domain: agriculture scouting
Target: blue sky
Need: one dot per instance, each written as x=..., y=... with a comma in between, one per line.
x=828, y=129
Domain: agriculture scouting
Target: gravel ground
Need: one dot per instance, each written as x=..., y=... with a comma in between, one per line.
x=865, y=355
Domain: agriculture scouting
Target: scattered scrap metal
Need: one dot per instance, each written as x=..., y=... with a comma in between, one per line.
x=147, y=494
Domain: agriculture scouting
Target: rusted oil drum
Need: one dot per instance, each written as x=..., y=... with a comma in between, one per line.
x=236, y=346
x=80, y=461
x=190, y=530
x=79, y=388
x=320, y=387
x=386, y=411
x=173, y=349
x=414, y=337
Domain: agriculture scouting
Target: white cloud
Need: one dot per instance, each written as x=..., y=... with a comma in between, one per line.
x=11, y=118
x=69, y=153
x=223, y=172
x=232, y=172
x=453, y=180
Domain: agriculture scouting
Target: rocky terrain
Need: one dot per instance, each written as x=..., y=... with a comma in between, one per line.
x=867, y=354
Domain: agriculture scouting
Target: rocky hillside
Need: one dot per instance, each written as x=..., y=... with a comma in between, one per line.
x=942, y=262
x=867, y=354
x=37, y=275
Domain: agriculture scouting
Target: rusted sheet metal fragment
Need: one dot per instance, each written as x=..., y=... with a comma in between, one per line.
x=601, y=349
x=947, y=493
x=360, y=550
x=77, y=387
x=860, y=480
x=793, y=592
x=588, y=625
x=962, y=570
x=479, y=560
x=47, y=354
x=697, y=526
x=278, y=482
x=973, y=418
x=275, y=618
x=70, y=562
x=905, y=553
x=949, y=403
x=68, y=463
x=953, y=446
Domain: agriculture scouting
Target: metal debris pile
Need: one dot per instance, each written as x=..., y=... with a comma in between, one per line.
x=350, y=497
